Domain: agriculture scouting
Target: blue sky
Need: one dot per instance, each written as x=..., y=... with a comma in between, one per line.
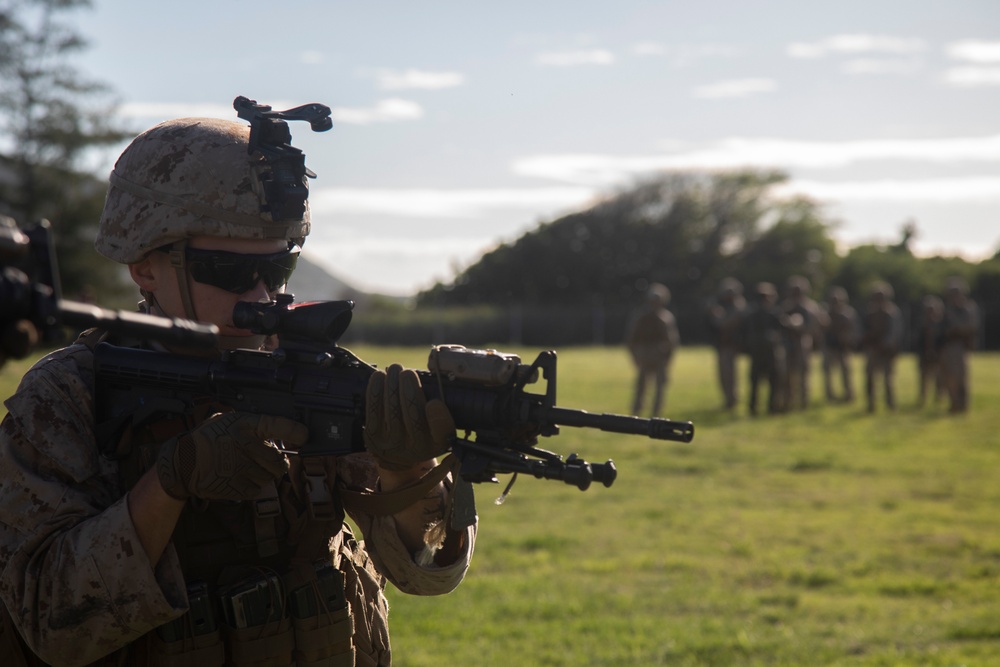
x=459, y=125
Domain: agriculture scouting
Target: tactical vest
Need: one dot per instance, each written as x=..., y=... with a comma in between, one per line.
x=271, y=582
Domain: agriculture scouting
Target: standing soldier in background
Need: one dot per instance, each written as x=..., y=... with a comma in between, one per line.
x=764, y=333
x=724, y=318
x=805, y=324
x=651, y=338
x=841, y=334
x=928, y=344
x=959, y=328
x=883, y=326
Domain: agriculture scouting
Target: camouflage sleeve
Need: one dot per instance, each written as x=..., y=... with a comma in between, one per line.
x=75, y=577
x=387, y=550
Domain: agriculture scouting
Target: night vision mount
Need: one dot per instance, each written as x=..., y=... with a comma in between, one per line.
x=285, y=186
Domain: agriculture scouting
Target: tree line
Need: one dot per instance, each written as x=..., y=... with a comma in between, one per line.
x=689, y=231
x=571, y=280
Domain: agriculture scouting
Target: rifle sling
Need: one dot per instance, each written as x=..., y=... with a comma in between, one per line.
x=382, y=503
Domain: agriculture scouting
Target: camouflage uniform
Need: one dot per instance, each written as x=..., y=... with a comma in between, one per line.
x=928, y=345
x=764, y=332
x=883, y=331
x=806, y=321
x=841, y=339
x=77, y=585
x=651, y=339
x=959, y=329
x=725, y=319
x=76, y=578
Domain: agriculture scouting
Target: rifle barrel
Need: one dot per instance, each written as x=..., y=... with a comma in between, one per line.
x=172, y=331
x=658, y=429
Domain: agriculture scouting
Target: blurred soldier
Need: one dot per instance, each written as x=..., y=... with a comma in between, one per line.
x=883, y=325
x=806, y=321
x=724, y=318
x=928, y=346
x=18, y=336
x=841, y=335
x=651, y=338
x=764, y=332
x=959, y=328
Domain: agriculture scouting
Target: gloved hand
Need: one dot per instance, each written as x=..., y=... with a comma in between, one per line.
x=227, y=457
x=403, y=428
x=17, y=340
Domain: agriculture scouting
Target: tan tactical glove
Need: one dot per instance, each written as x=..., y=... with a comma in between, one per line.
x=228, y=457
x=403, y=428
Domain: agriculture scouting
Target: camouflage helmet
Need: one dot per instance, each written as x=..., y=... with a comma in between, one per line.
x=658, y=294
x=837, y=294
x=765, y=289
x=184, y=178
x=956, y=284
x=882, y=290
x=730, y=287
x=798, y=285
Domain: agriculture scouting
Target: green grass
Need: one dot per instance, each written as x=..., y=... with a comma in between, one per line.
x=823, y=537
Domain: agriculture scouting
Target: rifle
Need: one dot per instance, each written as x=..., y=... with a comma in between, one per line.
x=32, y=309
x=311, y=379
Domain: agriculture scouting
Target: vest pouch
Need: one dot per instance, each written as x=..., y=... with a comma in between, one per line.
x=193, y=639
x=321, y=617
x=363, y=586
x=258, y=629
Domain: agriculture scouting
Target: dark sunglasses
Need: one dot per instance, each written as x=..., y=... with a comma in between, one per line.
x=239, y=273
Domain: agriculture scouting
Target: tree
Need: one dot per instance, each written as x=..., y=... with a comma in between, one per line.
x=679, y=229
x=50, y=115
x=797, y=242
x=686, y=230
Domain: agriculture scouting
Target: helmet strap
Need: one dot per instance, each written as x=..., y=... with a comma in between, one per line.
x=177, y=260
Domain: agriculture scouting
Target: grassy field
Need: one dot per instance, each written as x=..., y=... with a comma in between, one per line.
x=823, y=537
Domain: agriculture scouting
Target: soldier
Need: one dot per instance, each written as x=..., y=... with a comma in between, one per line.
x=651, y=339
x=18, y=335
x=725, y=319
x=806, y=321
x=959, y=328
x=841, y=339
x=201, y=542
x=764, y=332
x=883, y=330
x=928, y=344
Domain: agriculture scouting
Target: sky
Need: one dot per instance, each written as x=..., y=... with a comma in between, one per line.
x=461, y=125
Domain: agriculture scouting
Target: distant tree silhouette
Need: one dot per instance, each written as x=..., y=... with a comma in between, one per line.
x=50, y=115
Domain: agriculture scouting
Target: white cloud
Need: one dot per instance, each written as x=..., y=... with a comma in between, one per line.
x=682, y=55
x=735, y=88
x=974, y=51
x=165, y=110
x=934, y=190
x=971, y=77
x=855, y=44
x=880, y=66
x=312, y=58
x=575, y=58
x=442, y=203
x=417, y=79
x=603, y=170
x=649, y=49
x=385, y=111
